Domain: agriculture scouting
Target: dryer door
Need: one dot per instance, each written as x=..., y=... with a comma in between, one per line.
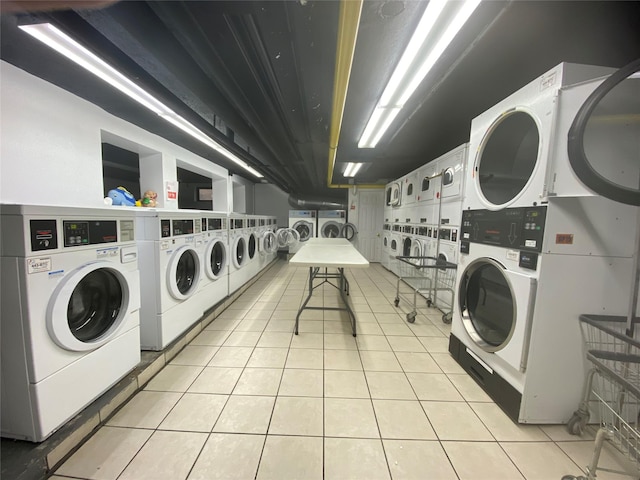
x=183, y=273
x=396, y=194
x=90, y=304
x=496, y=305
x=216, y=259
x=506, y=159
x=348, y=231
x=604, y=139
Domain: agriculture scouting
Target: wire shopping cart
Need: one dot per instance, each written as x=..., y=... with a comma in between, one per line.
x=613, y=384
x=433, y=278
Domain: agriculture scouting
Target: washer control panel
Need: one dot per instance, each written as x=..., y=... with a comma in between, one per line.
x=516, y=228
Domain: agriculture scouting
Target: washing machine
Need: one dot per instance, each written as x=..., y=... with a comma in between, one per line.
x=253, y=236
x=214, y=284
x=171, y=252
x=330, y=223
x=304, y=222
x=70, y=312
x=518, y=148
x=267, y=241
x=406, y=240
x=386, y=244
x=524, y=277
x=238, y=273
x=396, y=247
x=427, y=183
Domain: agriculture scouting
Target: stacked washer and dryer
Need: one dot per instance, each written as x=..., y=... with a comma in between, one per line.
x=537, y=249
x=171, y=251
x=70, y=312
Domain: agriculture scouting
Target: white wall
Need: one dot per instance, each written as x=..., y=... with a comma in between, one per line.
x=50, y=147
x=270, y=200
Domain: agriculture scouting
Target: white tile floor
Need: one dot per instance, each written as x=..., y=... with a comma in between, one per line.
x=248, y=399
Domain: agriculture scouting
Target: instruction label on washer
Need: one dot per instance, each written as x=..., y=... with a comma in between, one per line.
x=37, y=265
x=513, y=255
x=107, y=252
x=564, y=238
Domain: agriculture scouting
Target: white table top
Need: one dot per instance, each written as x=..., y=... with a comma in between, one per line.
x=330, y=253
x=337, y=242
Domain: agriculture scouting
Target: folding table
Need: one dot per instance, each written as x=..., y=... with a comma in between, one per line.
x=326, y=253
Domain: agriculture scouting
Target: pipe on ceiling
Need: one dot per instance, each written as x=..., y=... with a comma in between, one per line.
x=348, y=23
x=309, y=203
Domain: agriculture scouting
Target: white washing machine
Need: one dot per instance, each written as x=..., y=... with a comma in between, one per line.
x=170, y=250
x=214, y=284
x=386, y=245
x=253, y=239
x=451, y=166
x=238, y=273
x=70, y=312
x=518, y=148
x=524, y=277
x=304, y=222
x=396, y=247
x=268, y=242
x=330, y=223
x=406, y=240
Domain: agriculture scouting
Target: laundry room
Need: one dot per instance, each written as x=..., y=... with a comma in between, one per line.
x=320, y=239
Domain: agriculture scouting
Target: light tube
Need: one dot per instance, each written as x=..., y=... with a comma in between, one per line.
x=65, y=45
x=440, y=23
x=352, y=169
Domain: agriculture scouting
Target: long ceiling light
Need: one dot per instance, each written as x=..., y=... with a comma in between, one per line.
x=62, y=43
x=352, y=169
x=440, y=23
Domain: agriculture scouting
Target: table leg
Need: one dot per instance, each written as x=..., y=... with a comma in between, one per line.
x=304, y=304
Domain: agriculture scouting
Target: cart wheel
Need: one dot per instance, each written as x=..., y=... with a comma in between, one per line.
x=411, y=317
x=396, y=302
x=446, y=318
x=577, y=422
x=429, y=302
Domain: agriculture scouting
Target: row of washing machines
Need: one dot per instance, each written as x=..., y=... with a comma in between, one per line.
x=308, y=224
x=84, y=290
x=534, y=247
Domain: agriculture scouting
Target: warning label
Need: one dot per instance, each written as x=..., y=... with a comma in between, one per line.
x=564, y=238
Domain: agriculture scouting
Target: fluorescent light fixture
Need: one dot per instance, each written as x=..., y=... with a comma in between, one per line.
x=352, y=169
x=62, y=43
x=440, y=23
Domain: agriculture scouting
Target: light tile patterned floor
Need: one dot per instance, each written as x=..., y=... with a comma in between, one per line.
x=248, y=399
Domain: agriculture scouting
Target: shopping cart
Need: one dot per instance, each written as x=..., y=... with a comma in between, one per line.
x=433, y=278
x=613, y=384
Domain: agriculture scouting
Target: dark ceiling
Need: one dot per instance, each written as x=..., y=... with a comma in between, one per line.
x=262, y=72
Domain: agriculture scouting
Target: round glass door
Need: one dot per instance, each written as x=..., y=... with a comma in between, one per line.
x=507, y=157
x=331, y=230
x=94, y=305
x=406, y=247
x=217, y=259
x=604, y=139
x=304, y=230
x=239, y=252
x=487, y=304
x=251, y=245
x=348, y=231
x=186, y=272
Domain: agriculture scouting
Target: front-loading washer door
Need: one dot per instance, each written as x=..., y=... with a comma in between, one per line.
x=304, y=229
x=251, y=246
x=183, y=272
x=268, y=243
x=239, y=252
x=331, y=230
x=90, y=304
x=216, y=259
x=348, y=231
x=406, y=246
x=507, y=158
x=496, y=306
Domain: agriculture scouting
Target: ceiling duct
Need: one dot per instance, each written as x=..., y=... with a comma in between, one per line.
x=298, y=203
